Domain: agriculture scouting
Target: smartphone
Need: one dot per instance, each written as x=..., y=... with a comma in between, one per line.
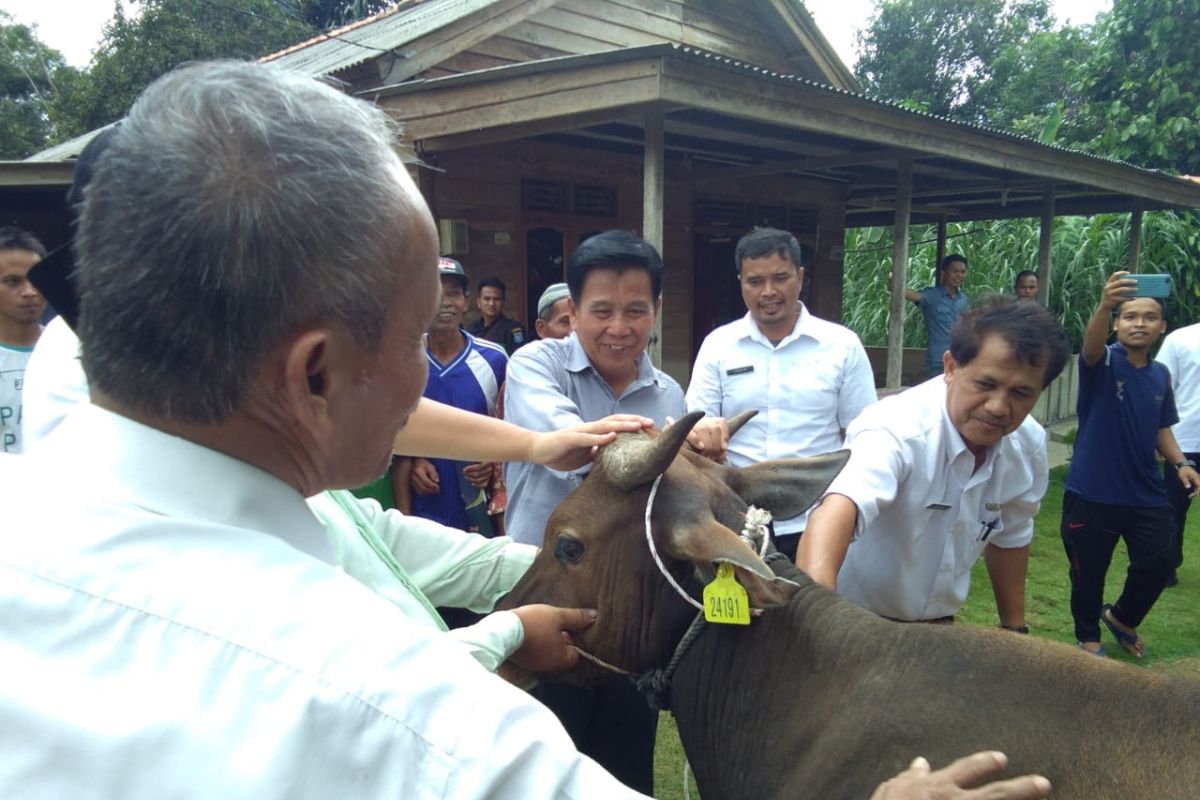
x=1151, y=285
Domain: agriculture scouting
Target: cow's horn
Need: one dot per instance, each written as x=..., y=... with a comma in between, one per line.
x=635, y=459
x=741, y=419
x=735, y=425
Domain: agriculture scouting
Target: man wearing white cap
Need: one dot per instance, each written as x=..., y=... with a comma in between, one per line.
x=554, y=312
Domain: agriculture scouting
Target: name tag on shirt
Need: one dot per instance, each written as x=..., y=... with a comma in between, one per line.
x=938, y=507
x=739, y=370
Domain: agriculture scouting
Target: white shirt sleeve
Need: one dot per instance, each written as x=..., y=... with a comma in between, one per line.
x=460, y=570
x=858, y=385
x=1017, y=515
x=872, y=476
x=1166, y=356
x=704, y=388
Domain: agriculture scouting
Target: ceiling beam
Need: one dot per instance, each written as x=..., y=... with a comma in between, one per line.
x=808, y=165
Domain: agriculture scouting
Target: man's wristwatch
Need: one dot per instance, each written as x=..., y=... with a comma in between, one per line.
x=1016, y=628
x=1187, y=462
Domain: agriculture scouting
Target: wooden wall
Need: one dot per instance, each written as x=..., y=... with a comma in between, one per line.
x=483, y=186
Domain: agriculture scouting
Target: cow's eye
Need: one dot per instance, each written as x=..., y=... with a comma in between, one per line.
x=568, y=550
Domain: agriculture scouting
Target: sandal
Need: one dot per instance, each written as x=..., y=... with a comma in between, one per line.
x=1132, y=643
x=1099, y=651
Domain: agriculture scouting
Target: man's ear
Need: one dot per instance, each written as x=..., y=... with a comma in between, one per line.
x=948, y=365
x=308, y=379
x=574, y=312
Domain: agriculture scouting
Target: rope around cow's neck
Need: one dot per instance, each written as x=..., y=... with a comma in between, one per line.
x=655, y=684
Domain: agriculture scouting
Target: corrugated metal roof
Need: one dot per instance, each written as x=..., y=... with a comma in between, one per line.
x=387, y=32
x=734, y=65
x=70, y=148
x=721, y=62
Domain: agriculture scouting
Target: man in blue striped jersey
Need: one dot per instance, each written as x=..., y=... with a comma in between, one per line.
x=467, y=373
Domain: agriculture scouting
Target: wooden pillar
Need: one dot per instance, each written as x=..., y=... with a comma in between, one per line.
x=1135, y=235
x=895, y=352
x=652, y=208
x=1045, y=238
x=941, y=250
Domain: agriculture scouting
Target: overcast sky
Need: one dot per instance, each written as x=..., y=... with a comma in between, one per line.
x=74, y=26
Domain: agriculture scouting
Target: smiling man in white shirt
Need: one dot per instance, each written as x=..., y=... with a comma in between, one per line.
x=806, y=377
x=944, y=472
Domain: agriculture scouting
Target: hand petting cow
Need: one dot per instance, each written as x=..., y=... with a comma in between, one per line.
x=866, y=694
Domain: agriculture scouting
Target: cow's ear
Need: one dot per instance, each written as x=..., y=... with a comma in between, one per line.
x=789, y=486
x=708, y=542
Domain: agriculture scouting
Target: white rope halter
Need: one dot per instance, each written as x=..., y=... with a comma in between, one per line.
x=754, y=529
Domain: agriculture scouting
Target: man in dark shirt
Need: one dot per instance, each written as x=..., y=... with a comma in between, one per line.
x=492, y=324
x=1114, y=489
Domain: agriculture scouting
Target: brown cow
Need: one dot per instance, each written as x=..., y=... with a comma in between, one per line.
x=817, y=697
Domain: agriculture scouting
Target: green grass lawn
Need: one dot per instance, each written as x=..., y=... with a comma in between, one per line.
x=1171, y=631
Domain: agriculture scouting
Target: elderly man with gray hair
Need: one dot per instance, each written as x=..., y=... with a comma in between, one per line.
x=256, y=271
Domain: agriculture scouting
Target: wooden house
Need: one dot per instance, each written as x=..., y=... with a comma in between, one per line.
x=690, y=121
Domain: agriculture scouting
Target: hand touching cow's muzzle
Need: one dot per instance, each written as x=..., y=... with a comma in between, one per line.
x=548, y=637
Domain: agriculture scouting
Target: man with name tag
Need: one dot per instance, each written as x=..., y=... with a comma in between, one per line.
x=943, y=473
x=807, y=377
x=1114, y=490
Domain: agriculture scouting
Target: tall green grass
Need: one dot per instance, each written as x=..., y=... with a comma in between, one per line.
x=1084, y=252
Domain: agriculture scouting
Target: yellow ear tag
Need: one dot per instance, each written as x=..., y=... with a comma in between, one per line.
x=725, y=601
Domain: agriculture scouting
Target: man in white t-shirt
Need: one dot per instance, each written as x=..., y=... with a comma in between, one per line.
x=1180, y=354
x=21, y=307
x=807, y=378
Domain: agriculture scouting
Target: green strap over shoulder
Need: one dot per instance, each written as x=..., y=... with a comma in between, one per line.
x=348, y=504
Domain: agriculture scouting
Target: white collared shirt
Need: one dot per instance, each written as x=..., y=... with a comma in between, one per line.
x=807, y=389
x=414, y=563
x=170, y=625
x=1180, y=353
x=922, y=511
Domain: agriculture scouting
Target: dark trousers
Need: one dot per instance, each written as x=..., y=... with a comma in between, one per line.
x=1177, y=496
x=612, y=724
x=1090, y=532
x=787, y=544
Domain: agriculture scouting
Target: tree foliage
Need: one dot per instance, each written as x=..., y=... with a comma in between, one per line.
x=947, y=57
x=1140, y=86
x=28, y=71
x=137, y=49
x=326, y=14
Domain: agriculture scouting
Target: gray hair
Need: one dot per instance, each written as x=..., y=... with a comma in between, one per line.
x=237, y=204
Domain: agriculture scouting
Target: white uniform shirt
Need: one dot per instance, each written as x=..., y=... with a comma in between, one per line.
x=415, y=563
x=807, y=390
x=12, y=377
x=1180, y=353
x=170, y=627
x=923, y=517
x=54, y=381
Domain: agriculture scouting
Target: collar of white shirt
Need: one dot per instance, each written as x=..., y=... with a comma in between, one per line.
x=806, y=325
x=178, y=478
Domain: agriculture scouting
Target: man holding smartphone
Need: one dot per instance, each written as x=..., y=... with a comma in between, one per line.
x=1113, y=490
